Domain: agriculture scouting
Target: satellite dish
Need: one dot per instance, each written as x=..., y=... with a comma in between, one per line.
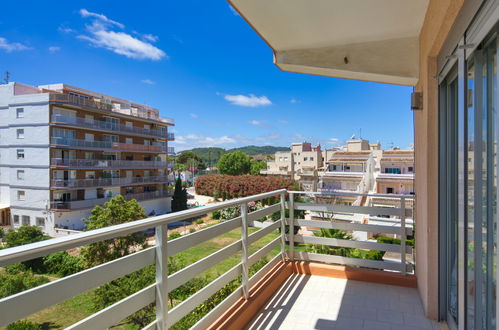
x=352, y=137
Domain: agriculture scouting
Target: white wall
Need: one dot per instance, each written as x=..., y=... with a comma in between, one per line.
x=160, y=206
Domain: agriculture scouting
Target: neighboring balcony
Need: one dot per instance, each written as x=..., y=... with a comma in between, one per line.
x=405, y=176
x=275, y=172
x=106, y=164
x=107, y=182
x=90, y=203
x=108, y=126
x=296, y=287
x=116, y=146
x=150, y=114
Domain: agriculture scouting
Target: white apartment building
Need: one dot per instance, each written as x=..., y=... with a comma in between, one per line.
x=64, y=149
x=301, y=163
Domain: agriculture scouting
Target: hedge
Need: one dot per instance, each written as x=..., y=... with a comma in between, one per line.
x=230, y=186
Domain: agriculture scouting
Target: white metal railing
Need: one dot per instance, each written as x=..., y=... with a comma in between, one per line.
x=107, y=163
x=89, y=203
x=109, y=126
x=101, y=182
x=46, y=295
x=107, y=145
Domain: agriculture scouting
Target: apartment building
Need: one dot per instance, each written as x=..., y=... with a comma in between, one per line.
x=64, y=149
x=301, y=163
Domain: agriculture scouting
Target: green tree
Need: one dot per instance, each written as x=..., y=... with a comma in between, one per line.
x=116, y=211
x=13, y=283
x=234, y=163
x=26, y=235
x=179, y=200
x=256, y=166
x=187, y=157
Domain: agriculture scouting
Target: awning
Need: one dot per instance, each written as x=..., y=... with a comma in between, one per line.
x=374, y=40
x=4, y=206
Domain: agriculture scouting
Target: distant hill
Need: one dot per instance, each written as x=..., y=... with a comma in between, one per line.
x=211, y=155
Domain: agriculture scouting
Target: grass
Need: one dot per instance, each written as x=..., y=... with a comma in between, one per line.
x=71, y=311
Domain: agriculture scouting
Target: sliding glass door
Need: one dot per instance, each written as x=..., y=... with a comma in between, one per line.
x=468, y=184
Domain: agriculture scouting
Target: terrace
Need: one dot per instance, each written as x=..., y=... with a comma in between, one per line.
x=283, y=291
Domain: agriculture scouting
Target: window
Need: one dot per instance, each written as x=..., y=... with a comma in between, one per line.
x=393, y=170
x=20, y=133
x=311, y=158
x=40, y=221
x=90, y=175
x=16, y=219
x=110, y=138
x=147, y=142
x=20, y=153
x=305, y=159
x=128, y=140
x=410, y=169
x=20, y=174
x=63, y=133
x=21, y=195
x=25, y=220
x=20, y=113
x=389, y=190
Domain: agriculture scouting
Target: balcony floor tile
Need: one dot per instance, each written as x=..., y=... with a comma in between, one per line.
x=315, y=302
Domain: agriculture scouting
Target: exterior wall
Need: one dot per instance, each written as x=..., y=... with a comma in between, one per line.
x=399, y=187
x=440, y=16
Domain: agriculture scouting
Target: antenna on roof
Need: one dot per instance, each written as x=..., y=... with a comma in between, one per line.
x=7, y=77
x=360, y=133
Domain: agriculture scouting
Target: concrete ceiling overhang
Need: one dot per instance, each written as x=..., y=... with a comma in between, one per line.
x=372, y=40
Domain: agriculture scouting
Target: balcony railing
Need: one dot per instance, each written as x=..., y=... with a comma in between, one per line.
x=151, y=114
x=107, y=182
x=107, y=145
x=103, y=163
x=108, y=126
x=90, y=203
x=57, y=291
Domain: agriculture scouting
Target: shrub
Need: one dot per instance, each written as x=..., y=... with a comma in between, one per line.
x=12, y=284
x=215, y=215
x=24, y=325
x=229, y=186
x=199, y=221
x=192, y=230
x=390, y=240
x=62, y=264
x=174, y=235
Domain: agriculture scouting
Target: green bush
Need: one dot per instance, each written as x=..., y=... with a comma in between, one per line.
x=174, y=235
x=23, y=325
x=215, y=215
x=192, y=230
x=199, y=221
x=12, y=284
x=62, y=264
x=390, y=240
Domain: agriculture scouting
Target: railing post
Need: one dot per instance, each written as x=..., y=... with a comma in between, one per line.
x=161, y=277
x=244, y=256
x=403, y=236
x=283, y=226
x=291, y=225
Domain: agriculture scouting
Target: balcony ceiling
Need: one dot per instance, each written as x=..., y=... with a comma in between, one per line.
x=353, y=39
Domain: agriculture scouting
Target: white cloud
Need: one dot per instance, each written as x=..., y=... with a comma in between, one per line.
x=293, y=101
x=103, y=18
x=193, y=115
x=150, y=37
x=194, y=140
x=248, y=101
x=54, y=49
x=260, y=123
x=101, y=35
x=11, y=46
x=65, y=29
x=148, y=81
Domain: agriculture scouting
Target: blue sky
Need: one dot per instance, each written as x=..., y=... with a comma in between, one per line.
x=199, y=63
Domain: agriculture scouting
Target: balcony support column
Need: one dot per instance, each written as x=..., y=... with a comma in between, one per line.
x=283, y=226
x=402, y=236
x=161, y=277
x=244, y=257
x=291, y=226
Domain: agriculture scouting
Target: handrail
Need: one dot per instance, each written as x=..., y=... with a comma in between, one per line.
x=38, y=249
x=106, y=145
x=66, y=287
x=109, y=163
x=108, y=181
x=353, y=194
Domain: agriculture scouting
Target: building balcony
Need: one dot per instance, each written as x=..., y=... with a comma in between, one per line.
x=405, y=176
x=90, y=203
x=99, y=125
x=275, y=172
x=293, y=285
x=146, y=113
x=106, y=145
x=107, y=164
x=341, y=174
x=107, y=182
